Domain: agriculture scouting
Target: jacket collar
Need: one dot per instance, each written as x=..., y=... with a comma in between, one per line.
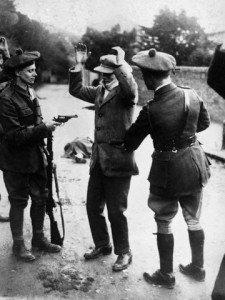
x=24, y=93
x=20, y=90
x=164, y=89
x=110, y=95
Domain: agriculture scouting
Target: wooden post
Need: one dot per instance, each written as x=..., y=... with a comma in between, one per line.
x=223, y=138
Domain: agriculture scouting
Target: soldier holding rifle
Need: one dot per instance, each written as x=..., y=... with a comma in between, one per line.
x=22, y=157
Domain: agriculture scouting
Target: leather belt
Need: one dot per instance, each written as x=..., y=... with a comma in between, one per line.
x=174, y=144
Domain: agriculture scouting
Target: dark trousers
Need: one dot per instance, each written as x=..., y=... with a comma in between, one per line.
x=20, y=187
x=112, y=192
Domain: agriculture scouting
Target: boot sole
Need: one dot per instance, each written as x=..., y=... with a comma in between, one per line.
x=24, y=259
x=45, y=250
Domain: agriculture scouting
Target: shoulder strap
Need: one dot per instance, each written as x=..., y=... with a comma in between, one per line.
x=186, y=100
x=186, y=110
x=148, y=112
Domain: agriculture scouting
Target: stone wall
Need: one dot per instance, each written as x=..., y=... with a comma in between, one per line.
x=194, y=77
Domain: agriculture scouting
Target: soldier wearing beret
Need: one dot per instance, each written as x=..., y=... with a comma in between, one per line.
x=110, y=170
x=179, y=167
x=22, y=157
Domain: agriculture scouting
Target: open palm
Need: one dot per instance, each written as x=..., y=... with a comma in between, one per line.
x=81, y=55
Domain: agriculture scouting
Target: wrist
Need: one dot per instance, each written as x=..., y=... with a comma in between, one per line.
x=78, y=68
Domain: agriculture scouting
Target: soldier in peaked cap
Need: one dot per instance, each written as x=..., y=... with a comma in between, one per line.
x=22, y=157
x=179, y=167
x=110, y=170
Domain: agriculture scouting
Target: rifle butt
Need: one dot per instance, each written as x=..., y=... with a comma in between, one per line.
x=55, y=235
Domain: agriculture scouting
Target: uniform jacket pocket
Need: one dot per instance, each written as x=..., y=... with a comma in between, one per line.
x=160, y=169
x=202, y=163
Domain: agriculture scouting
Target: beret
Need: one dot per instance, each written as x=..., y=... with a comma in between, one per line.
x=21, y=59
x=154, y=60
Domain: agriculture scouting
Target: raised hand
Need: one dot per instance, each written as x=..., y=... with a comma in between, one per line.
x=120, y=55
x=4, y=46
x=81, y=54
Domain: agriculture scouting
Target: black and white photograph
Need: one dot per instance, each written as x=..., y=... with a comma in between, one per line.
x=112, y=149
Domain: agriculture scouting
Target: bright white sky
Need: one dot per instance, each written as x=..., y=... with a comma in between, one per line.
x=76, y=15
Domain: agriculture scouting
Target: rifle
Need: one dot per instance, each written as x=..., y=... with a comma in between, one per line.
x=51, y=203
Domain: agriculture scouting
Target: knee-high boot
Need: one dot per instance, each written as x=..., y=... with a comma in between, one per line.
x=165, y=243
x=16, y=222
x=195, y=268
x=37, y=214
x=197, y=239
x=163, y=277
x=39, y=241
x=16, y=216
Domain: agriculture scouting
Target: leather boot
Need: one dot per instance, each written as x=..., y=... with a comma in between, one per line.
x=21, y=252
x=195, y=269
x=165, y=243
x=97, y=252
x=163, y=277
x=39, y=241
x=37, y=215
x=122, y=262
x=16, y=222
x=43, y=244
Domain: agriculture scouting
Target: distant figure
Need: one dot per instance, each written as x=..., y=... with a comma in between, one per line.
x=179, y=167
x=22, y=157
x=216, y=80
x=79, y=149
x=216, y=71
x=4, y=55
x=110, y=170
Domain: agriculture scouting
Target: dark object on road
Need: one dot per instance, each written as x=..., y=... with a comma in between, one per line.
x=219, y=287
x=79, y=149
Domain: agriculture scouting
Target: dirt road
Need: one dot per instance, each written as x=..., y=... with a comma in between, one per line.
x=67, y=275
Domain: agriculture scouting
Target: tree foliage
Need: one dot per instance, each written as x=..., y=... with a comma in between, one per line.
x=100, y=43
x=176, y=34
x=179, y=35
x=30, y=35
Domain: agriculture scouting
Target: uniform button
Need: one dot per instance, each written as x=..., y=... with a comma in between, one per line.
x=98, y=128
x=100, y=115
